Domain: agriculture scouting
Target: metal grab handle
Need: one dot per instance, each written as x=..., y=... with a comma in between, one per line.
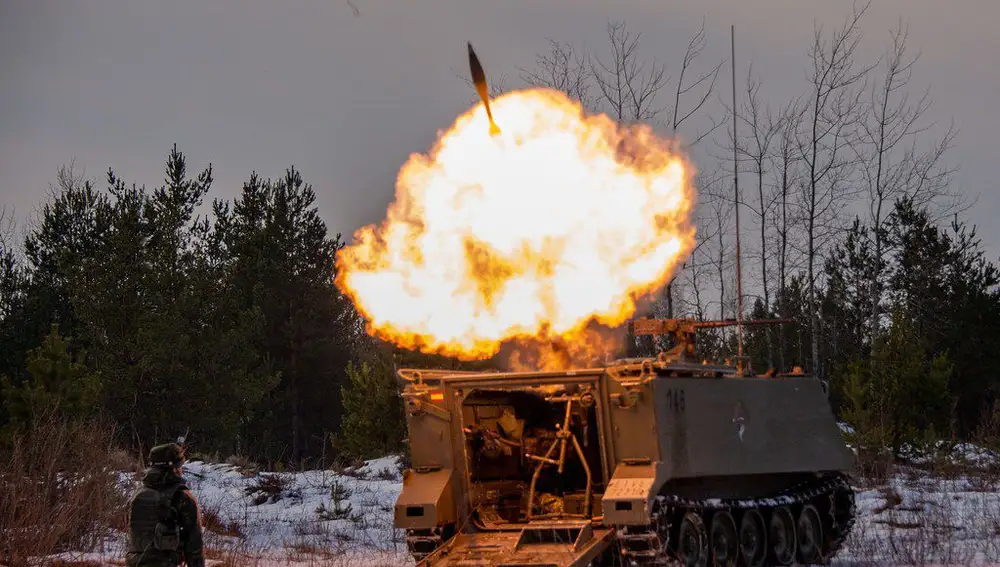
x=534, y=477
x=586, y=469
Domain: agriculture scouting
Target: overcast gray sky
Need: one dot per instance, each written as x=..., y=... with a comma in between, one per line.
x=263, y=84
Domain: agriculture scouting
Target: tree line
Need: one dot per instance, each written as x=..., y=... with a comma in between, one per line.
x=129, y=303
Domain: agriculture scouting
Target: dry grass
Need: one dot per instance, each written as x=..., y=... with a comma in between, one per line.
x=873, y=468
x=57, y=492
x=211, y=522
x=124, y=461
x=226, y=558
x=245, y=465
x=350, y=467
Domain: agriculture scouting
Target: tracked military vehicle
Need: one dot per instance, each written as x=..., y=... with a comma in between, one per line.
x=648, y=461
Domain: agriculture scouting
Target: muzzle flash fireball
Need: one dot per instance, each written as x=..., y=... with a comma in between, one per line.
x=562, y=218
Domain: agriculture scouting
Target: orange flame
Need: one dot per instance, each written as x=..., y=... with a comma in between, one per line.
x=563, y=219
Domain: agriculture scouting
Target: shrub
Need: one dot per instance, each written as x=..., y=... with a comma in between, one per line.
x=270, y=488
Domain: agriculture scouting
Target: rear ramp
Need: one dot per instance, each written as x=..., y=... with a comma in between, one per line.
x=536, y=545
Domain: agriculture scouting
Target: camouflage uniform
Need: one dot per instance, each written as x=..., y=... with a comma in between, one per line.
x=164, y=520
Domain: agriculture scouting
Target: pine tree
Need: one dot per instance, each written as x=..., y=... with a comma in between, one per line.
x=372, y=424
x=58, y=382
x=281, y=263
x=902, y=393
x=941, y=276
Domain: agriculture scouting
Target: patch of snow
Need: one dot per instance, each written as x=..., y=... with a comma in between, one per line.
x=310, y=510
x=956, y=454
x=920, y=519
x=976, y=455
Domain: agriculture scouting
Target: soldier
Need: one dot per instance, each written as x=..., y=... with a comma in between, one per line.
x=164, y=520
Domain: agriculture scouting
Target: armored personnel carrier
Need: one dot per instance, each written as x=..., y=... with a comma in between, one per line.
x=649, y=461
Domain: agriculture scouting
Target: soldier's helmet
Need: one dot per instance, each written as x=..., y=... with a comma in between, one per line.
x=167, y=455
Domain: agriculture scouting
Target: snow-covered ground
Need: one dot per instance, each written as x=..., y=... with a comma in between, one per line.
x=919, y=519
x=294, y=519
x=325, y=518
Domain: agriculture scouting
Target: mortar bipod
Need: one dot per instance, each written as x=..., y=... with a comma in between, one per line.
x=565, y=436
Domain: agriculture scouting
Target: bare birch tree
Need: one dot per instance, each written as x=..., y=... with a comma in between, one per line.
x=836, y=87
x=701, y=262
x=626, y=85
x=787, y=176
x=564, y=70
x=754, y=149
x=700, y=88
x=721, y=209
x=892, y=163
x=629, y=88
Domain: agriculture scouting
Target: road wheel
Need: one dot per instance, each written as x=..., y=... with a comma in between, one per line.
x=810, y=535
x=725, y=543
x=692, y=543
x=781, y=535
x=753, y=539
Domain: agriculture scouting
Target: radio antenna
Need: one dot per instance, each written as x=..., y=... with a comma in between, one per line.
x=736, y=200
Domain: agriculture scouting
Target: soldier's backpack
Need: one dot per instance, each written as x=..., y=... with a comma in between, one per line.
x=154, y=520
x=166, y=536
